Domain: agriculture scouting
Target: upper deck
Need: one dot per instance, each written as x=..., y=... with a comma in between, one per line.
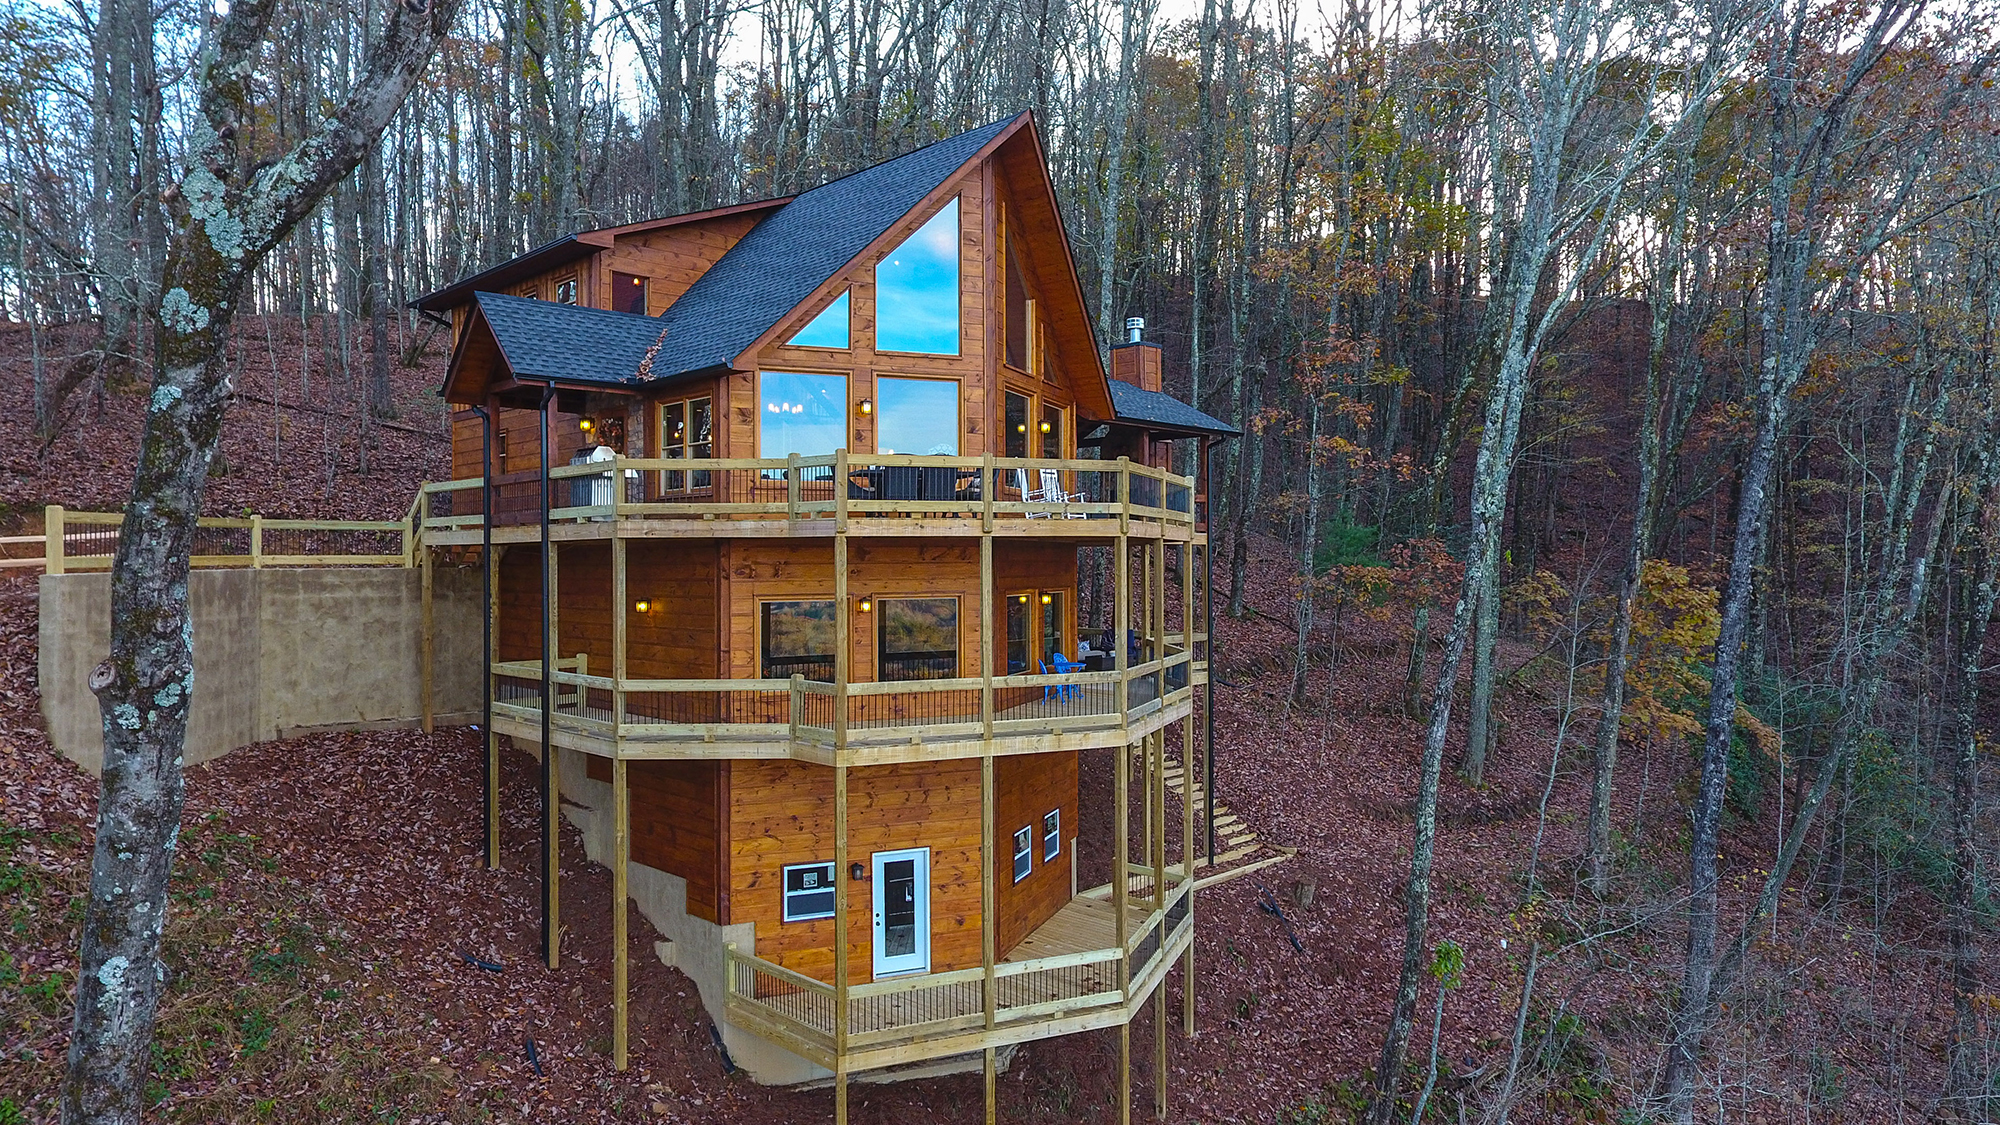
x=842, y=493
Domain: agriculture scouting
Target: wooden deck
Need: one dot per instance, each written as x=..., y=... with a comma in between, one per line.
x=1083, y=924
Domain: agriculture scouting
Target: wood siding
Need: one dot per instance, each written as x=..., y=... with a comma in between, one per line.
x=679, y=818
x=1026, y=787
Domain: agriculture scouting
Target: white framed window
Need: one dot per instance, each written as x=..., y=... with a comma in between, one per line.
x=1051, y=835
x=1024, y=852
x=808, y=891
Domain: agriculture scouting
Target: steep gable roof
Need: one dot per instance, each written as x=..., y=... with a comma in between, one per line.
x=546, y=342
x=789, y=255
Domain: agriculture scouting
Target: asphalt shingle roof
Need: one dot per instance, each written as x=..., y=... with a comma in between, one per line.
x=794, y=251
x=568, y=343
x=1153, y=408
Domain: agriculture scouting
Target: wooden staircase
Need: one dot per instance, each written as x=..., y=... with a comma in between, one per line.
x=1238, y=850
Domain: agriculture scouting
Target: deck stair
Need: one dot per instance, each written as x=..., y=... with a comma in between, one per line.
x=1238, y=849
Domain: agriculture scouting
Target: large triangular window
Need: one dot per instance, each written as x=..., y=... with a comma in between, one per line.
x=916, y=290
x=827, y=330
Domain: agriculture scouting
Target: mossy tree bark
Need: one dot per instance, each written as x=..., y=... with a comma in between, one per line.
x=232, y=211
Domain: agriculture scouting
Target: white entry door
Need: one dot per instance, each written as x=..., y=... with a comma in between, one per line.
x=902, y=881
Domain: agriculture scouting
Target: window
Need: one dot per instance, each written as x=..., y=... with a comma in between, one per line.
x=687, y=430
x=1051, y=835
x=916, y=416
x=1052, y=432
x=1055, y=624
x=565, y=291
x=828, y=329
x=1024, y=852
x=531, y=291
x=808, y=891
x=917, y=638
x=800, y=413
x=628, y=293
x=916, y=290
x=1017, y=425
x=1017, y=312
x=1017, y=636
x=798, y=640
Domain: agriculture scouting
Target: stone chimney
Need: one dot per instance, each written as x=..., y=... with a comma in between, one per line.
x=1135, y=361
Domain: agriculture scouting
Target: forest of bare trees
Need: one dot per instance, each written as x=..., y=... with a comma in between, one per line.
x=1384, y=240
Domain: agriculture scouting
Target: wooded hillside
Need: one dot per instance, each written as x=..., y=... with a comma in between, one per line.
x=1621, y=389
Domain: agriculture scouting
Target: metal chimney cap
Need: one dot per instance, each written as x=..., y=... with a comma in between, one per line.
x=1135, y=329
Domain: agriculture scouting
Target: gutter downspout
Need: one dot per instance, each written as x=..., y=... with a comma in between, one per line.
x=548, y=685
x=486, y=630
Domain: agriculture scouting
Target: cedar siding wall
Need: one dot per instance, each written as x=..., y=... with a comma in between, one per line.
x=679, y=815
x=676, y=639
x=1025, y=788
x=782, y=813
x=671, y=259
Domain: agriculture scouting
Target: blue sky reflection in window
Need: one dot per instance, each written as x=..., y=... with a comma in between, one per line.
x=799, y=413
x=827, y=330
x=917, y=416
x=916, y=290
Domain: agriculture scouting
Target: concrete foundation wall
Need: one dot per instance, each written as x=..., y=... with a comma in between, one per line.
x=277, y=654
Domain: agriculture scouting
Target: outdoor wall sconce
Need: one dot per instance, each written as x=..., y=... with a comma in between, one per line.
x=866, y=408
x=586, y=425
x=1046, y=599
x=857, y=872
x=1021, y=428
x=1024, y=599
x=642, y=606
x=1045, y=427
x=866, y=605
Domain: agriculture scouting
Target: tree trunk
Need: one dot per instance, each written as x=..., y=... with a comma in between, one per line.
x=1485, y=643
x=145, y=686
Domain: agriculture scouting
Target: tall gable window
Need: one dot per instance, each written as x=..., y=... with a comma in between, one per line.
x=800, y=413
x=916, y=290
x=1018, y=307
x=827, y=330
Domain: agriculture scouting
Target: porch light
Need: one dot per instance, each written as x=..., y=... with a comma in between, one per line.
x=867, y=605
x=586, y=425
x=642, y=606
x=1046, y=599
x=857, y=872
x=1024, y=599
x=1020, y=427
x=1045, y=427
x=866, y=408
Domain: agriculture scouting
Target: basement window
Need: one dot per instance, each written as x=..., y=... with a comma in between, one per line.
x=1024, y=852
x=1051, y=835
x=808, y=891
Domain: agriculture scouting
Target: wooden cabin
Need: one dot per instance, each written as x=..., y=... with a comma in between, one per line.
x=823, y=550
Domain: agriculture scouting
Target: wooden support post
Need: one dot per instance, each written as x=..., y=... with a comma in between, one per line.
x=621, y=856
x=840, y=929
x=52, y=539
x=621, y=641
x=986, y=637
x=1188, y=852
x=1121, y=798
x=257, y=545
x=1160, y=1045
x=427, y=643
x=1124, y=1074
x=491, y=561
x=989, y=858
x=552, y=771
x=843, y=644
x=1121, y=602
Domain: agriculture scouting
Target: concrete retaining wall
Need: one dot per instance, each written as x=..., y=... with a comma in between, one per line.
x=277, y=654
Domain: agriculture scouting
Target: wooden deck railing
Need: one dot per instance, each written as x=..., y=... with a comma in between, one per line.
x=841, y=487
x=629, y=716
x=85, y=541
x=946, y=1011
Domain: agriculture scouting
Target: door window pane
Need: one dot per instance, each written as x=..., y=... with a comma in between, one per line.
x=899, y=907
x=917, y=416
x=827, y=330
x=1017, y=425
x=799, y=413
x=916, y=290
x=673, y=443
x=1017, y=636
x=798, y=640
x=1054, y=624
x=701, y=438
x=917, y=638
